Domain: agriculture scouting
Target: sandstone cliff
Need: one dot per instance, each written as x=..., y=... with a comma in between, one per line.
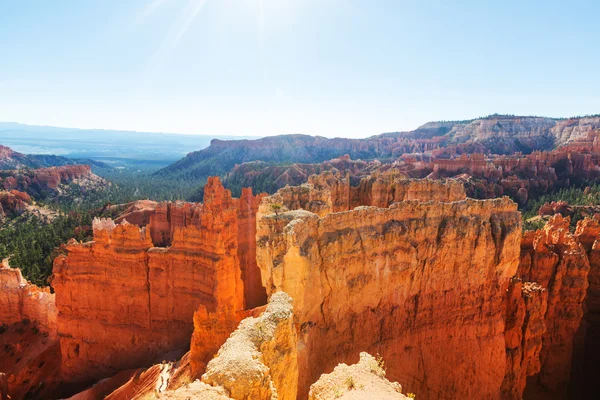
x=52, y=181
x=520, y=176
x=418, y=281
x=525, y=326
x=29, y=351
x=13, y=202
x=328, y=193
x=553, y=258
x=20, y=301
x=587, y=369
x=153, y=291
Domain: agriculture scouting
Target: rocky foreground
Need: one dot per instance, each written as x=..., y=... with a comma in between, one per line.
x=392, y=280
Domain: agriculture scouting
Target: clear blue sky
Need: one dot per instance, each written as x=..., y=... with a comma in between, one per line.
x=261, y=67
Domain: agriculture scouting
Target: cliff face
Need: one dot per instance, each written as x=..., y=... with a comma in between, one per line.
x=13, y=202
x=554, y=258
x=20, y=301
x=29, y=355
x=153, y=291
x=421, y=281
x=485, y=175
x=525, y=326
x=44, y=178
x=52, y=181
x=585, y=376
x=328, y=193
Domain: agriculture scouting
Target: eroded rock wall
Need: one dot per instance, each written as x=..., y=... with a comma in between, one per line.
x=556, y=260
x=585, y=380
x=525, y=326
x=21, y=301
x=124, y=302
x=44, y=178
x=328, y=193
x=422, y=284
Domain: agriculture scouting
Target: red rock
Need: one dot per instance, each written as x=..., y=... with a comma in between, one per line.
x=13, y=202
x=20, y=301
x=46, y=178
x=556, y=207
x=587, y=369
x=421, y=283
x=153, y=291
x=525, y=310
x=553, y=258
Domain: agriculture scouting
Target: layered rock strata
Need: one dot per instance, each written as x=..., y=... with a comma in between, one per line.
x=556, y=260
x=44, y=178
x=21, y=301
x=418, y=281
x=153, y=291
x=29, y=352
x=329, y=193
x=13, y=202
x=585, y=376
x=525, y=326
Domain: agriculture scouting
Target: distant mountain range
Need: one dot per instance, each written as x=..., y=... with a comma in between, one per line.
x=495, y=134
x=145, y=150
x=10, y=159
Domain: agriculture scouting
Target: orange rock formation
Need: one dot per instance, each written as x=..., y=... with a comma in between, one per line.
x=20, y=301
x=14, y=202
x=45, y=178
x=418, y=274
x=153, y=291
x=419, y=281
x=554, y=258
x=447, y=289
x=29, y=351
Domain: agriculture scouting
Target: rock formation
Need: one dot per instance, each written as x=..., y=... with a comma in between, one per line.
x=485, y=174
x=525, y=326
x=13, y=202
x=553, y=258
x=556, y=207
x=52, y=181
x=29, y=352
x=328, y=193
x=495, y=134
x=587, y=368
x=361, y=381
x=154, y=291
x=447, y=289
x=416, y=281
x=259, y=360
x=21, y=301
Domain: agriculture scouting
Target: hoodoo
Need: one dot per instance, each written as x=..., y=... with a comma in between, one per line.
x=124, y=303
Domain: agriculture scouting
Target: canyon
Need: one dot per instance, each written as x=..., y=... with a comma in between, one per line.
x=485, y=176
x=494, y=134
x=408, y=279
x=19, y=187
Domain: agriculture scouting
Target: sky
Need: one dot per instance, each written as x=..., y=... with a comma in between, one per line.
x=349, y=68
